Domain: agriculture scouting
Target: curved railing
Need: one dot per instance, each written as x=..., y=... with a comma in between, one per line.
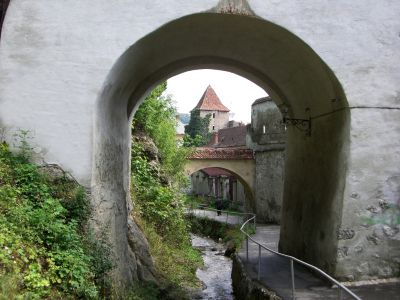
x=252, y=220
x=227, y=213
x=340, y=286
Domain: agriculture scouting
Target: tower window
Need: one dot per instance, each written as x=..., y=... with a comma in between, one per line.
x=213, y=127
x=213, y=115
x=263, y=129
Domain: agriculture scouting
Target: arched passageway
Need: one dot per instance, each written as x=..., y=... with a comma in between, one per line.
x=295, y=77
x=241, y=171
x=239, y=162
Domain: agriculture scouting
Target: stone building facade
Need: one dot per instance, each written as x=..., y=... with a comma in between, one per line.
x=266, y=137
x=210, y=104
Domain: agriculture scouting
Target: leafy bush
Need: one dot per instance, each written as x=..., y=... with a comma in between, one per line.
x=159, y=203
x=162, y=206
x=157, y=117
x=41, y=249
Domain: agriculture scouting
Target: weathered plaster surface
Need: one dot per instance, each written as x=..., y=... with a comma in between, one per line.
x=315, y=208
x=269, y=185
x=220, y=121
x=267, y=137
x=55, y=80
x=369, y=236
x=55, y=56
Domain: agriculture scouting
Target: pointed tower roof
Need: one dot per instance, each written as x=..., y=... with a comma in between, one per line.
x=210, y=101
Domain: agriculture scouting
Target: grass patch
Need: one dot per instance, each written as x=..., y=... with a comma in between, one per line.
x=175, y=261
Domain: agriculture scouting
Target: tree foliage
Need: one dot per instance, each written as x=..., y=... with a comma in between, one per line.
x=197, y=131
x=156, y=116
x=159, y=203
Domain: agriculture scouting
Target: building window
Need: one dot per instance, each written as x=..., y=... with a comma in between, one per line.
x=213, y=127
x=213, y=115
x=263, y=129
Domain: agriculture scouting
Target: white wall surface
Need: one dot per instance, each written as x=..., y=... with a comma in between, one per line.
x=55, y=56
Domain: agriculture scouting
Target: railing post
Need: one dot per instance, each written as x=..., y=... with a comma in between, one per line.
x=292, y=275
x=255, y=226
x=226, y=220
x=259, y=262
x=247, y=248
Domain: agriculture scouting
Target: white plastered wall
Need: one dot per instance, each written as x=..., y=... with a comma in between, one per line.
x=55, y=56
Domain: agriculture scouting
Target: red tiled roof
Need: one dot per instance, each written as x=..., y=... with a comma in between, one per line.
x=216, y=172
x=210, y=101
x=222, y=153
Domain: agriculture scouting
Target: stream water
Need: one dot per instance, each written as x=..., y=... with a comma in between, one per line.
x=216, y=273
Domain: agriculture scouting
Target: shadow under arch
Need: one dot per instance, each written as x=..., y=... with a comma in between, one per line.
x=246, y=182
x=287, y=68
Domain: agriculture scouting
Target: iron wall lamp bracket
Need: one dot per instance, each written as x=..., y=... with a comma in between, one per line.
x=301, y=124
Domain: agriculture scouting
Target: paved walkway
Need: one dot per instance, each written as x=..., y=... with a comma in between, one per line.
x=275, y=270
x=275, y=274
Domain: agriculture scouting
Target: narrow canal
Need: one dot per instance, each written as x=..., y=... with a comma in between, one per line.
x=216, y=273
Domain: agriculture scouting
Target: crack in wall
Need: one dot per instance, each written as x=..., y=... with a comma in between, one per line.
x=354, y=107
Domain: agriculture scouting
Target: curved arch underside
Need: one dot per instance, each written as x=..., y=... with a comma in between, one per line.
x=275, y=59
x=265, y=53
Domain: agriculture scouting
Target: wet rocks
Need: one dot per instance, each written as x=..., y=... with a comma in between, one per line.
x=345, y=233
x=216, y=273
x=230, y=249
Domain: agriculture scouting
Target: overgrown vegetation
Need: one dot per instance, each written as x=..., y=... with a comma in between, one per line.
x=157, y=180
x=156, y=117
x=45, y=248
x=197, y=132
x=218, y=231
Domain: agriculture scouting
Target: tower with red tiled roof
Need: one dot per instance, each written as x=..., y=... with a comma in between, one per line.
x=209, y=103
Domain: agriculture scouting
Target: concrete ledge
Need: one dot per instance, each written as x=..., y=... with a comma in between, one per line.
x=245, y=288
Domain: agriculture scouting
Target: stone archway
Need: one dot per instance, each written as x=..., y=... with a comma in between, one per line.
x=299, y=82
x=243, y=170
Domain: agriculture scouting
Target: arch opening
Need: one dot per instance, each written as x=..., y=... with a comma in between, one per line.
x=294, y=76
x=242, y=194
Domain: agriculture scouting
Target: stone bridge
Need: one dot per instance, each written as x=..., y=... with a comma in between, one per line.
x=239, y=162
x=73, y=73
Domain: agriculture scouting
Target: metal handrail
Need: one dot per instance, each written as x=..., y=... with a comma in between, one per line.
x=232, y=213
x=291, y=258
